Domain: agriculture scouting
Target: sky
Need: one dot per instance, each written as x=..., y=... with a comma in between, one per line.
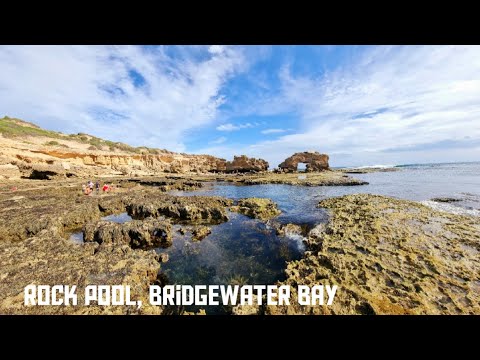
x=361, y=105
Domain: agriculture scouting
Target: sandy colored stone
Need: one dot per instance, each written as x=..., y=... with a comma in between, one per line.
x=257, y=208
x=200, y=233
x=390, y=256
x=313, y=159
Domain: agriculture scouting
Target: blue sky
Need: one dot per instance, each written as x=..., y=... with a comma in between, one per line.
x=362, y=105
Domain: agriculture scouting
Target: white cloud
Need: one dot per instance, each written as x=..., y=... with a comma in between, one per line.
x=235, y=127
x=75, y=88
x=216, y=49
x=389, y=103
x=273, y=131
x=219, y=140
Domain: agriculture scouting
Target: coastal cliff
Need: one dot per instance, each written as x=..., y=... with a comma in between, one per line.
x=31, y=152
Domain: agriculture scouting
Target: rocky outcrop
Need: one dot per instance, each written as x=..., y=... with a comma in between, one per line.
x=52, y=260
x=257, y=208
x=192, y=209
x=241, y=164
x=147, y=234
x=314, y=161
x=200, y=233
x=389, y=256
x=324, y=178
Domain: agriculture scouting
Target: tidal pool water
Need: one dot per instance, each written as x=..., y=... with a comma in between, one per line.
x=240, y=251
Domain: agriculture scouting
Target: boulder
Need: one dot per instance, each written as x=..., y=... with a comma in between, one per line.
x=145, y=234
x=257, y=208
x=243, y=163
x=200, y=232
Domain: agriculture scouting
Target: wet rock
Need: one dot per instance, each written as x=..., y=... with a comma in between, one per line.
x=191, y=209
x=445, y=199
x=285, y=229
x=200, y=232
x=257, y=208
x=389, y=256
x=182, y=231
x=199, y=312
x=253, y=309
x=145, y=234
x=163, y=258
x=324, y=178
x=52, y=260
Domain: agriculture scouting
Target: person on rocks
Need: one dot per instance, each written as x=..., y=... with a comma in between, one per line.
x=97, y=186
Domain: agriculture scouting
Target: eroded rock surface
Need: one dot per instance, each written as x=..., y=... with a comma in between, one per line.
x=145, y=234
x=47, y=260
x=313, y=159
x=245, y=164
x=200, y=233
x=194, y=209
x=36, y=221
x=257, y=208
x=390, y=256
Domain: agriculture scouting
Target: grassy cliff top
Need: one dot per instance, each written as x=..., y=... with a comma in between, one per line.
x=17, y=128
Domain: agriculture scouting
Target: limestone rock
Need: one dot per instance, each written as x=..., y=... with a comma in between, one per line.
x=245, y=164
x=192, y=209
x=144, y=234
x=257, y=208
x=314, y=160
x=200, y=232
x=389, y=256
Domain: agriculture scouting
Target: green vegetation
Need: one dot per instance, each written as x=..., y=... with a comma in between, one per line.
x=13, y=128
x=55, y=143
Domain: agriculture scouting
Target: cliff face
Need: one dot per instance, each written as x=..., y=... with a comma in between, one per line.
x=29, y=151
x=46, y=163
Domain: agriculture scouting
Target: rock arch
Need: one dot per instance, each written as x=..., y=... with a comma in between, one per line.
x=314, y=160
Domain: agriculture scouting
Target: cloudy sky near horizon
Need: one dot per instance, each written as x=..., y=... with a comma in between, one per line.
x=362, y=105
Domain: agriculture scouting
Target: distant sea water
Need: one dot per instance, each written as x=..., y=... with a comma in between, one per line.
x=423, y=182
x=418, y=182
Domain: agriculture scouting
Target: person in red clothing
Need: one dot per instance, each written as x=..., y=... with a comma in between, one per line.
x=106, y=188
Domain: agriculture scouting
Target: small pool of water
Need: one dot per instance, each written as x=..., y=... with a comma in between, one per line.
x=240, y=251
x=77, y=237
x=119, y=218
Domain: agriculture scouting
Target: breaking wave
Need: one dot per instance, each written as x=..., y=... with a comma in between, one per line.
x=445, y=207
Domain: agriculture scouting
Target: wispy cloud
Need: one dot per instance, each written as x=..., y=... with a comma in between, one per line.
x=235, y=127
x=273, y=131
x=129, y=93
x=219, y=140
x=389, y=97
x=376, y=104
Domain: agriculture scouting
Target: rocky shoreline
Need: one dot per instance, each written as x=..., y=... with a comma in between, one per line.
x=390, y=256
x=37, y=219
x=387, y=256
